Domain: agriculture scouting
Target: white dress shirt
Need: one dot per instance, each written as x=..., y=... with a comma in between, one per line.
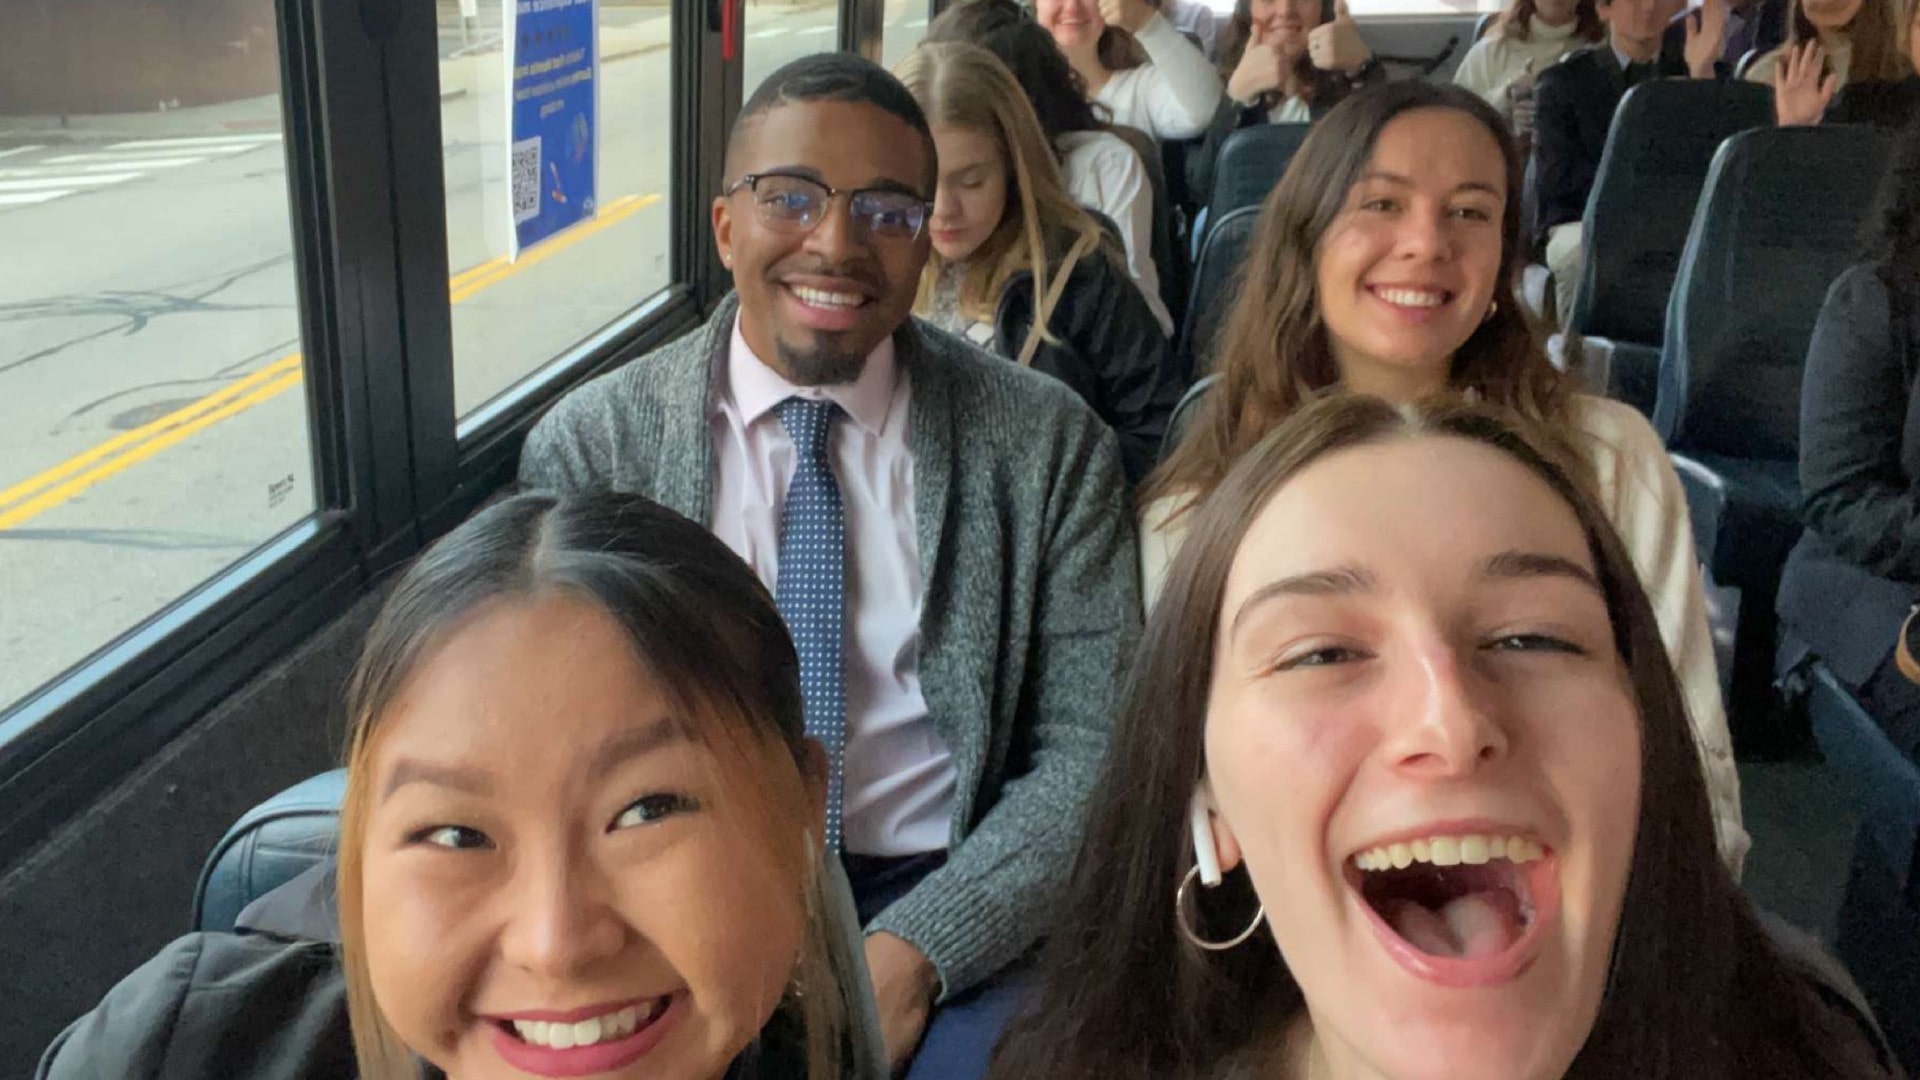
x=899, y=795
x=1102, y=171
x=1173, y=96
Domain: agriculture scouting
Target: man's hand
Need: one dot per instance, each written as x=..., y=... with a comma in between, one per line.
x=1337, y=46
x=1801, y=93
x=1262, y=68
x=1128, y=15
x=904, y=986
x=1706, y=36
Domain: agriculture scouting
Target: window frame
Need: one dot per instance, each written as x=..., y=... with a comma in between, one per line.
x=392, y=468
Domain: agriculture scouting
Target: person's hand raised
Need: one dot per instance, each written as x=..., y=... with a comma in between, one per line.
x=1706, y=36
x=1128, y=15
x=1801, y=90
x=1337, y=45
x=1262, y=68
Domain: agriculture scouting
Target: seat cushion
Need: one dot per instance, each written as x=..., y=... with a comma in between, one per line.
x=1745, y=516
x=269, y=846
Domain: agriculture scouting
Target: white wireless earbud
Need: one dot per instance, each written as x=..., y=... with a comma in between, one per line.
x=1204, y=853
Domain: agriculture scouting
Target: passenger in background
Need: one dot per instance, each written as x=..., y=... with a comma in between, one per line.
x=1196, y=20
x=577, y=783
x=1403, y=787
x=1018, y=268
x=1851, y=40
x=1385, y=263
x=946, y=533
x=1757, y=26
x=1576, y=100
x=1805, y=87
x=1135, y=64
x=1529, y=37
x=1856, y=571
x=1100, y=169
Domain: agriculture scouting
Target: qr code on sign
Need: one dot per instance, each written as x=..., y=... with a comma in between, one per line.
x=525, y=181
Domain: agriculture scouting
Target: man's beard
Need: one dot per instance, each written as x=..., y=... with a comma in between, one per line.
x=821, y=365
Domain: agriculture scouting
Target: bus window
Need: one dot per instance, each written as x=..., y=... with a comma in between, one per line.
x=781, y=30
x=906, y=25
x=153, y=418
x=514, y=310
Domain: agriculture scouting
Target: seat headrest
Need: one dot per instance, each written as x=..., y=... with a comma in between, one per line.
x=1772, y=231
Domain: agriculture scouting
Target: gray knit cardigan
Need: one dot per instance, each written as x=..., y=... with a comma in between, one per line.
x=1032, y=605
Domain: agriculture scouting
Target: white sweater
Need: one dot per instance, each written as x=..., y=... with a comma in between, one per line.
x=1496, y=61
x=1103, y=172
x=1173, y=96
x=1643, y=499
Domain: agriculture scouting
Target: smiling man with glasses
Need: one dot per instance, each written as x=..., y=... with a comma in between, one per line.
x=945, y=533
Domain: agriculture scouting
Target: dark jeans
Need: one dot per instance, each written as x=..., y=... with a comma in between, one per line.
x=961, y=1033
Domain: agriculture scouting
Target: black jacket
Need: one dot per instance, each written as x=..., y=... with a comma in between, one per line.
x=1574, y=105
x=1887, y=104
x=1231, y=116
x=1855, y=572
x=1111, y=352
x=257, y=1007
x=216, y=1005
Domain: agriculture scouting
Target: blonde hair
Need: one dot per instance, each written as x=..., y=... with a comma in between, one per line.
x=965, y=86
x=709, y=636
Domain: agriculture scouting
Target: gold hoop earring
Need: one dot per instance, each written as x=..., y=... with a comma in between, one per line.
x=1180, y=918
x=1492, y=310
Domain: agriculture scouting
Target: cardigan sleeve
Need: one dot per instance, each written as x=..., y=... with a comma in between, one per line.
x=988, y=905
x=1171, y=97
x=1648, y=508
x=1853, y=416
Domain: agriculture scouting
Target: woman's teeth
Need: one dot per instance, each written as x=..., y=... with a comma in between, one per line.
x=1450, y=851
x=595, y=1029
x=1420, y=298
x=823, y=298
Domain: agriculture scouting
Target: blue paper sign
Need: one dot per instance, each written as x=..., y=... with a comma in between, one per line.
x=553, y=67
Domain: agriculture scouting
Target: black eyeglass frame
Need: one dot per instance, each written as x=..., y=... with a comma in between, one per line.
x=751, y=181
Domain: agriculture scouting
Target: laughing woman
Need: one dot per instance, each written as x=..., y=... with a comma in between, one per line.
x=1410, y=793
x=580, y=837
x=1021, y=269
x=1385, y=262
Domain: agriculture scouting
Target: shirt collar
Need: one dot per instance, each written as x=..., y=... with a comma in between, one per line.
x=757, y=388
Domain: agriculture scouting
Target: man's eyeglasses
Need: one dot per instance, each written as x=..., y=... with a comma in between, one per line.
x=797, y=204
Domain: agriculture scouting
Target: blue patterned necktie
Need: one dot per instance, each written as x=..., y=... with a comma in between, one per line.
x=810, y=588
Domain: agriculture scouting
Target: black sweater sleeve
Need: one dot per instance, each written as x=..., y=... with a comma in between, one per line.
x=1853, y=415
x=215, y=1005
x=1564, y=166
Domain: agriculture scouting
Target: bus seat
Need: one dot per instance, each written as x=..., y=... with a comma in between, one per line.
x=1878, y=936
x=1251, y=162
x=1183, y=413
x=1214, y=281
x=1746, y=62
x=1643, y=199
x=1769, y=237
x=298, y=829
x=269, y=846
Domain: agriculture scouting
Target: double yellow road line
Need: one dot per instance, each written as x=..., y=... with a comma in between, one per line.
x=38, y=494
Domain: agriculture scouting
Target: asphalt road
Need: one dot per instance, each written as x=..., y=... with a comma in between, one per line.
x=152, y=413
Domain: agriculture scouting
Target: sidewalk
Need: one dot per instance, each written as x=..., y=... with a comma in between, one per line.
x=260, y=115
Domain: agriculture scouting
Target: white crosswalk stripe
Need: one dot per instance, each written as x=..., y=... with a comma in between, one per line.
x=26, y=181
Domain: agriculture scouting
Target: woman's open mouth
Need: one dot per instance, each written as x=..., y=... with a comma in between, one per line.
x=585, y=1045
x=1459, y=910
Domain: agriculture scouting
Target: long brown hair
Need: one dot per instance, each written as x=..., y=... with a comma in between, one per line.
x=1695, y=988
x=1516, y=21
x=1273, y=353
x=701, y=623
x=965, y=86
x=1313, y=82
x=1876, y=36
